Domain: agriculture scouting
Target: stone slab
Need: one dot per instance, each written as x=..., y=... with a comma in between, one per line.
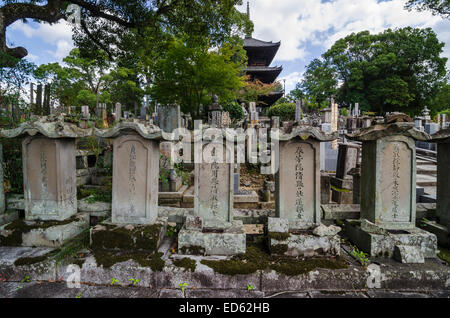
x=53, y=236
x=306, y=245
x=408, y=254
x=379, y=245
x=340, y=211
x=9, y=216
x=231, y=241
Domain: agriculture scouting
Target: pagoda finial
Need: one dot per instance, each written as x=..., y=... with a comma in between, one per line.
x=249, y=34
x=248, y=9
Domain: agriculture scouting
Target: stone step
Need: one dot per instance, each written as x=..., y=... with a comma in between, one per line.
x=423, y=180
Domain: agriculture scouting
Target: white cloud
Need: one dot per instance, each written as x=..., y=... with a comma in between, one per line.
x=291, y=80
x=58, y=34
x=298, y=23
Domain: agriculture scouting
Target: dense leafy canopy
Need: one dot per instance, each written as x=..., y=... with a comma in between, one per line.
x=396, y=70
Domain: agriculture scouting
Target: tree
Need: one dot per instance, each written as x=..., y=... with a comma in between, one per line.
x=396, y=70
x=103, y=22
x=437, y=7
x=83, y=78
x=252, y=90
x=319, y=81
x=190, y=73
x=13, y=81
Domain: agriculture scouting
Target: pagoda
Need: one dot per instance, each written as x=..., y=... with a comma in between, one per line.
x=260, y=55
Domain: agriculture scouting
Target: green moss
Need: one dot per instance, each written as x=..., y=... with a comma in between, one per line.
x=141, y=237
x=19, y=227
x=256, y=258
x=186, y=263
x=103, y=194
x=293, y=267
x=444, y=254
x=279, y=249
x=339, y=223
x=33, y=260
x=109, y=258
x=192, y=250
x=279, y=236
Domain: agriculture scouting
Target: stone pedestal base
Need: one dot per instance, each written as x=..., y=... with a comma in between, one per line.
x=378, y=242
x=131, y=237
x=196, y=238
x=43, y=233
x=9, y=217
x=442, y=232
x=318, y=240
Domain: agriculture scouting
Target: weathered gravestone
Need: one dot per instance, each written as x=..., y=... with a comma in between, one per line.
x=49, y=176
x=442, y=227
x=212, y=230
x=169, y=117
x=134, y=223
x=341, y=184
x=297, y=196
x=388, y=191
x=135, y=172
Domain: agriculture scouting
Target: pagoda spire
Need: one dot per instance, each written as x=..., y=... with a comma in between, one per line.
x=249, y=33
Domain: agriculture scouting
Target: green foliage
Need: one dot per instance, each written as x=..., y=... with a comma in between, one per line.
x=26, y=279
x=286, y=111
x=250, y=287
x=235, y=110
x=437, y=7
x=189, y=73
x=396, y=70
x=360, y=256
x=113, y=281
x=134, y=281
x=183, y=286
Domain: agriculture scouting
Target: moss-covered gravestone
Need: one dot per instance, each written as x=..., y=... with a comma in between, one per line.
x=212, y=229
x=134, y=188
x=49, y=173
x=297, y=229
x=388, y=192
x=442, y=227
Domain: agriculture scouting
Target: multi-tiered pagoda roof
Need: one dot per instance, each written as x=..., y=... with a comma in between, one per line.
x=260, y=55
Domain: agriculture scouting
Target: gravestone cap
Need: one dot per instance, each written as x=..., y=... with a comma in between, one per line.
x=143, y=128
x=383, y=130
x=442, y=136
x=51, y=126
x=307, y=132
x=398, y=118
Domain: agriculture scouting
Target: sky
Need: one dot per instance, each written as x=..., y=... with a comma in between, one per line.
x=306, y=29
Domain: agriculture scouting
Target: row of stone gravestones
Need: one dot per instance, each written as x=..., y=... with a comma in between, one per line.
x=388, y=183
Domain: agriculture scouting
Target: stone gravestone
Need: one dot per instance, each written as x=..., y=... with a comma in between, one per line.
x=442, y=228
x=298, y=110
x=388, y=191
x=49, y=176
x=135, y=172
x=212, y=228
x=341, y=184
x=135, y=220
x=12, y=215
x=169, y=117
x=297, y=194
